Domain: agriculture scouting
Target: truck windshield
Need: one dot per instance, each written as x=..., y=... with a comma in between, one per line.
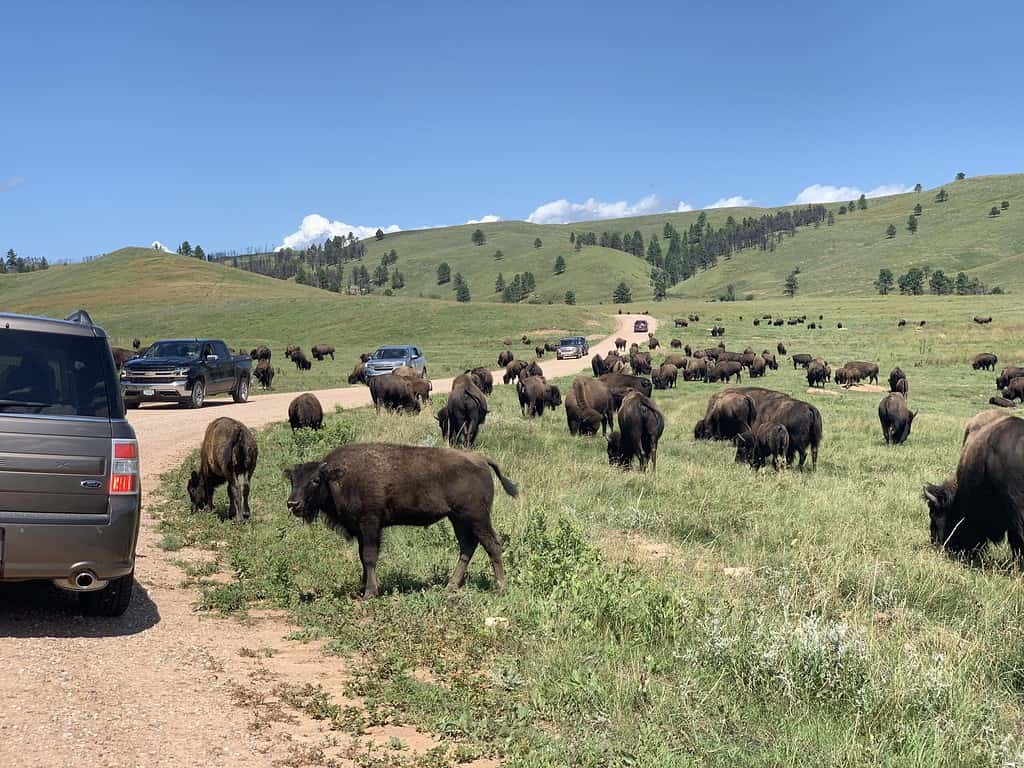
x=174, y=349
x=574, y=341
x=56, y=375
x=390, y=353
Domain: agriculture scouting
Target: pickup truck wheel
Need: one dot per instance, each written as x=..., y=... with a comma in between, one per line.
x=198, y=394
x=131, y=404
x=240, y=394
x=111, y=601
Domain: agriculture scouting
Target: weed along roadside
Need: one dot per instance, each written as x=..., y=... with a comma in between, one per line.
x=650, y=618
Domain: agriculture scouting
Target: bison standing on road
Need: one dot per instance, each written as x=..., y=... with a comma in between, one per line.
x=640, y=427
x=362, y=488
x=985, y=502
x=895, y=418
x=620, y=344
x=228, y=455
x=305, y=412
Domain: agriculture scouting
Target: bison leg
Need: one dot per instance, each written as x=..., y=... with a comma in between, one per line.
x=369, y=548
x=245, y=497
x=234, y=499
x=488, y=539
x=467, y=546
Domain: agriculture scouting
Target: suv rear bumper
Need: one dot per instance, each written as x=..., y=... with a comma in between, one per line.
x=56, y=546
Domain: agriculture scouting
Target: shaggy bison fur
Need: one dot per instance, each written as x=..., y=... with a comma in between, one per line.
x=305, y=412
x=640, y=427
x=228, y=455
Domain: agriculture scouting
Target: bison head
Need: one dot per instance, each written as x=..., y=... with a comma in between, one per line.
x=616, y=455
x=554, y=397
x=744, y=447
x=701, y=430
x=948, y=529
x=198, y=493
x=310, y=488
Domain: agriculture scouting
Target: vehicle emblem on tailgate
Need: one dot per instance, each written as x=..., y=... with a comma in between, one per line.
x=91, y=484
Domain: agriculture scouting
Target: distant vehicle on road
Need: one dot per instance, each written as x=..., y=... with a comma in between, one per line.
x=69, y=477
x=640, y=326
x=572, y=346
x=386, y=359
x=186, y=371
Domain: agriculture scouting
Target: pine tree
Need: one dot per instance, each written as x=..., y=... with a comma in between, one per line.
x=961, y=176
x=831, y=219
x=654, y=252
x=570, y=297
x=397, y=280
x=884, y=282
x=537, y=243
x=478, y=237
x=379, y=234
x=862, y=203
x=462, y=293
x=1005, y=204
x=578, y=246
x=942, y=196
x=912, y=223
x=962, y=284
x=199, y=253
x=498, y=255
x=993, y=211
x=559, y=265
x=890, y=231
x=792, y=285
x=917, y=187
x=444, y=273
x=185, y=249
x=572, y=238
x=622, y=294
x=499, y=284
x=918, y=210
x=457, y=281
x=659, y=280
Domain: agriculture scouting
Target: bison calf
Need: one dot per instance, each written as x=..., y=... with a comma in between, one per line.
x=228, y=455
x=756, y=446
x=362, y=488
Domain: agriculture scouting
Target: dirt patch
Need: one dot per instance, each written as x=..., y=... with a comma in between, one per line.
x=821, y=391
x=867, y=388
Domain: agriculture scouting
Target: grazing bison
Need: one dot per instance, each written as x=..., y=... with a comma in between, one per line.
x=484, y=379
x=901, y=323
x=598, y=365
x=640, y=364
x=802, y=360
x=801, y=420
x=392, y=393
x=757, y=322
x=298, y=357
x=620, y=344
x=305, y=412
x=420, y=389
x=365, y=357
x=358, y=375
x=902, y=387
x=596, y=396
x=264, y=374
x=228, y=455
x=406, y=485
x=696, y=369
x=535, y=394
x=665, y=377
x=1015, y=389
x=895, y=418
x=320, y=351
x=1007, y=375
x=513, y=369
x=680, y=323
x=676, y=344
x=985, y=502
x=728, y=414
x=894, y=376
x=839, y=326
x=466, y=411
x=922, y=324
x=675, y=359
x=847, y=377
x=526, y=341
x=640, y=427
x=867, y=371
x=724, y=371
x=506, y=357
x=769, y=360
x=1002, y=402
x=582, y=421
x=818, y=373
x=620, y=383
x=984, y=361
x=532, y=369
x=982, y=320
x=261, y=352
x=980, y=422
x=549, y=347
x=756, y=446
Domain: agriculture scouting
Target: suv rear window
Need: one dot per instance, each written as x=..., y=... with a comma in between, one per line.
x=57, y=375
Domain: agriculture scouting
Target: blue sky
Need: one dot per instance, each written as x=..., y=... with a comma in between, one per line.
x=229, y=124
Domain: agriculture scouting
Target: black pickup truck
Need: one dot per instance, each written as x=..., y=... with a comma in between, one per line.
x=186, y=371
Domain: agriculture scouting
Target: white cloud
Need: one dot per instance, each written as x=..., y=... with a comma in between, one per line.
x=683, y=207
x=11, y=183
x=563, y=211
x=316, y=228
x=490, y=218
x=736, y=201
x=828, y=193
x=158, y=246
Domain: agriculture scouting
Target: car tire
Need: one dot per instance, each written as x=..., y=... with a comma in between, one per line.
x=240, y=394
x=132, y=404
x=111, y=601
x=198, y=396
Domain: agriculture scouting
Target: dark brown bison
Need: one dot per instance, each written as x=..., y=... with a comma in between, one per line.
x=1015, y=389
x=506, y=357
x=420, y=389
x=757, y=367
x=982, y=320
x=818, y=372
x=675, y=359
x=582, y=420
x=301, y=361
x=802, y=360
x=535, y=394
x=513, y=369
x=526, y=341
x=532, y=369
x=466, y=411
x=985, y=501
x=484, y=379
x=261, y=352
x=894, y=376
x=539, y=351
x=847, y=377
x=801, y=420
x=320, y=351
x=676, y=344
x=653, y=343
x=1007, y=374
x=724, y=371
x=365, y=357
x=640, y=365
x=594, y=395
x=549, y=347
x=895, y=418
x=264, y=374
x=305, y=412
x=640, y=427
x=780, y=348
x=985, y=361
x=756, y=322
x=598, y=365
x=122, y=356
x=228, y=455
x=358, y=375
x=621, y=383
x=696, y=369
x=680, y=323
x=901, y=324
x=406, y=485
x=665, y=377
x=620, y=344
x=769, y=360
x=902, y=387
x=756, y=446
x=1002, y=402
x=392, y=393
x=136, y=344
x=728, y=414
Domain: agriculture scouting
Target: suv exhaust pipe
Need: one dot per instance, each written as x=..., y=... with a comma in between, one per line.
x=83, y=581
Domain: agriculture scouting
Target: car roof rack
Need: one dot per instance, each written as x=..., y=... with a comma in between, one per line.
x=80, y=316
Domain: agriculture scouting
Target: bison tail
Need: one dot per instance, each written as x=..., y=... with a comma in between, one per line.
x=508, y=485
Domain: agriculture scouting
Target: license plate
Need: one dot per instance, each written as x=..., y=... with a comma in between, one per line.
x=148, y=392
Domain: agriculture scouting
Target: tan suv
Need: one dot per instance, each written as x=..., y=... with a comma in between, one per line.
x=69, y=462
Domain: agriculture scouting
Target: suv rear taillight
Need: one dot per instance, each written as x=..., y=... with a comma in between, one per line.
x=124, y=467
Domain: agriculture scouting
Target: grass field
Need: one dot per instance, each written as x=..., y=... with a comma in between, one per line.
x=702, y=615
x=140, y=293
x=843, y=259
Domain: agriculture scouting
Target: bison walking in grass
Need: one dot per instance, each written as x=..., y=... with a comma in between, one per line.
x=362, y=488
x=767, y=441
x=640, y=428
x=228, y=455
x=305, y=412
x=895, y=418
x=984, y=361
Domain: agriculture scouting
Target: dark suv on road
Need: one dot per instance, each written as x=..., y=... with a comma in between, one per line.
x=69, y=462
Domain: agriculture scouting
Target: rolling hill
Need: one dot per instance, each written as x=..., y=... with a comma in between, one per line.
x=842, y=259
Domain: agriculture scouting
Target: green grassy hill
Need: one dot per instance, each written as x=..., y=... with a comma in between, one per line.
x=148, y=294
x=843, y=259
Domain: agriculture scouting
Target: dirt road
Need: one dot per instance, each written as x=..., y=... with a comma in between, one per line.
x=164, y=685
